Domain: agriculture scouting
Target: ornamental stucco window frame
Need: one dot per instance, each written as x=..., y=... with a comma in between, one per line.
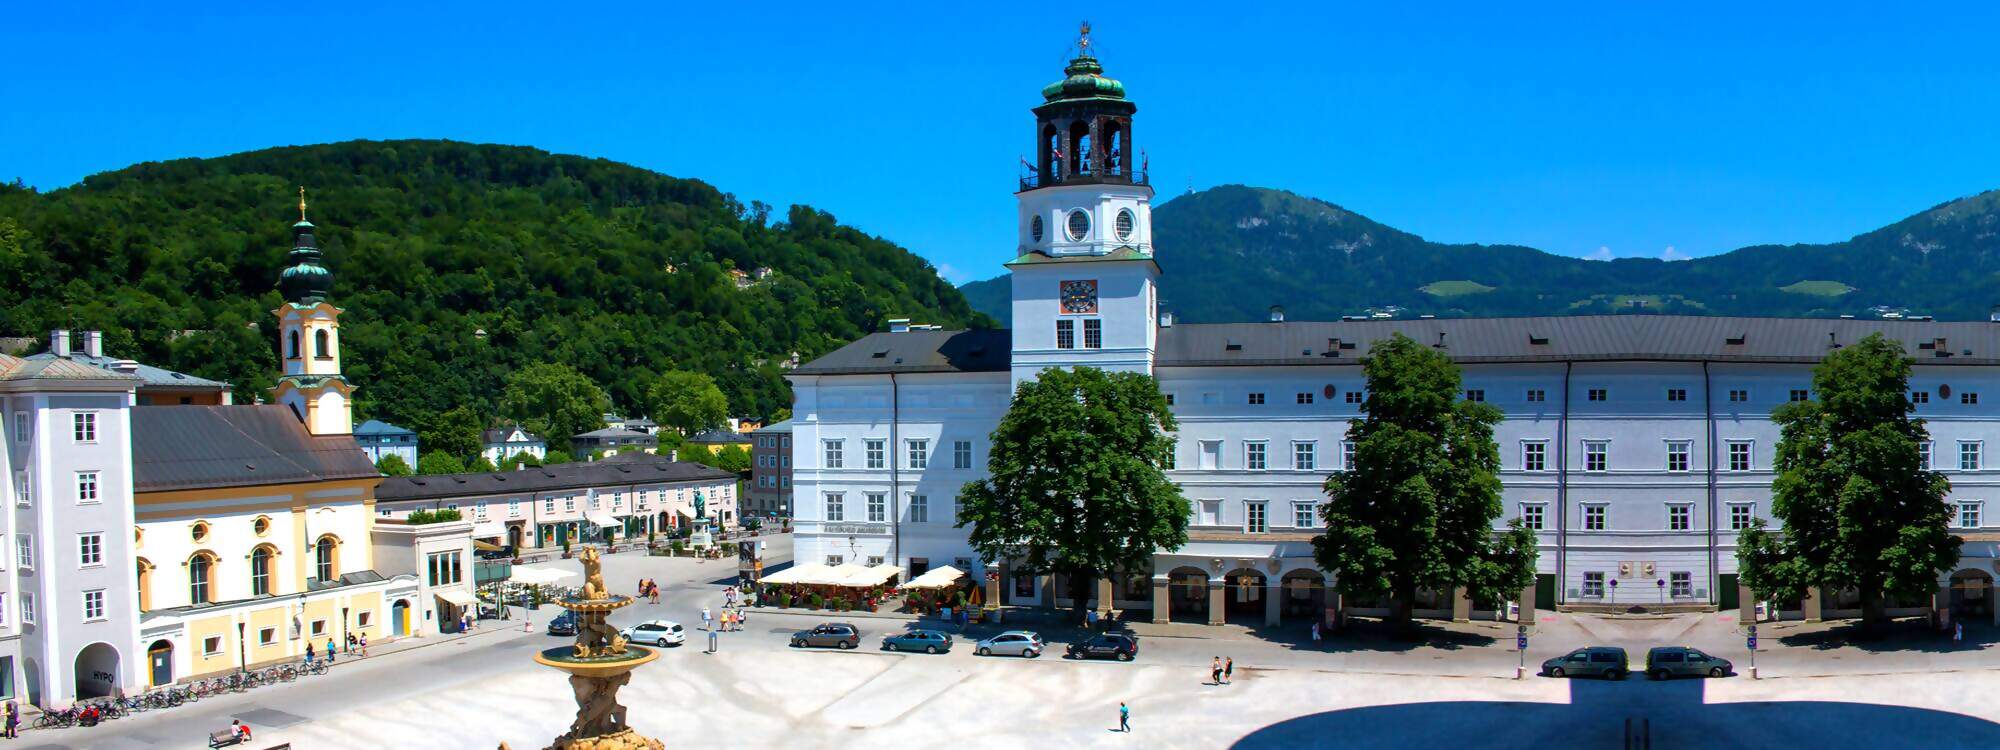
x=836, y=506
x=1535, y=455
x=1596, y=456
x=1971, y=455
x=1305, y=455
x=83, y=427
x=1968, y=514
x=833, y=454
x=1534, y=515
x=1680, y=455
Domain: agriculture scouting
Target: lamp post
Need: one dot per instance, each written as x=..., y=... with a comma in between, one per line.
x=242, y=659
x=343, y=626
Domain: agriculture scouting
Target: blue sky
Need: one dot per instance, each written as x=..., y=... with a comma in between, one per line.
x=1588, y=129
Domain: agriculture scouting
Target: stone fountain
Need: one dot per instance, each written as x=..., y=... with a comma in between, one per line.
x=599, y=664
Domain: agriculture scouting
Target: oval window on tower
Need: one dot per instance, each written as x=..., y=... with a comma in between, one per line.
x=1035, y=228
x=1124, y=225
x=1079, y=225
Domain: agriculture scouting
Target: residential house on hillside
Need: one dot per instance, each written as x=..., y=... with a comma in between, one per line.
x=499, y=444
x=378, y=438
x=717, y=439
x=612, y=439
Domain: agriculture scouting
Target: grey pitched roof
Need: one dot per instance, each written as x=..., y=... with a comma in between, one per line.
x=1574, y=339
x=379, y=427
x=785, y=426
x=718, y=437
x=917, y=351
x=612, y=432
x=193, y=447
x=500, y=435
x=559, y=477
x=149, y=376
x=52, y=368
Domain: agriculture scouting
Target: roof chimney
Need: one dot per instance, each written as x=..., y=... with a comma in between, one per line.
x=93, y=343
x=59, y=342
x=1166, y=319
x=1994, y=314
x=1277, y=313
x=125, y=366
x=899, y=325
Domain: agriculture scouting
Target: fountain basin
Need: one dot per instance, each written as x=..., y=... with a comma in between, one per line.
x=565, y=659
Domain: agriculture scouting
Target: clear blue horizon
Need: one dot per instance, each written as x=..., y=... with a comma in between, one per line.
x=1587, y=130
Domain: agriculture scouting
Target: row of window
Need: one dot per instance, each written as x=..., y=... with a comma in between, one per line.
x=1597, y=516
x=641, y=501
x=1093, y=334
x=774, y=441
x=773, y=481
x=83, y=427
x=774, y=462
x=201, y=568
x=1256, y=398
x=1539, y=395
x=875, y=508
x=212, y=645
x=1680, y=583
x=917, y=454
x=1256, y=514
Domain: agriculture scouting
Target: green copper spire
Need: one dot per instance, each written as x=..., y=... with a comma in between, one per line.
x=305, y=281
x=1086, y=78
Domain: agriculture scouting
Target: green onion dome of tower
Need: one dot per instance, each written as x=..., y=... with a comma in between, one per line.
x=1085, y=80
x=304, y=281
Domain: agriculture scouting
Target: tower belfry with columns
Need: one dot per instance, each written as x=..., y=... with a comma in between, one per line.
x=1084, y=281
x=309, y=339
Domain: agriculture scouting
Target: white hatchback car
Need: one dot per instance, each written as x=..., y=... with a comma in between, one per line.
x=656, y=632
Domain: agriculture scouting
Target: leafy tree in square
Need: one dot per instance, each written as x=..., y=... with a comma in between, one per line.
x=1075, y=479
x=554, y=401
x=1859, y=509
x=1417, y=508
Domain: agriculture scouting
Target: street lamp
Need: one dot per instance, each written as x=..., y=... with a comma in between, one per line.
x=242, y=660
x=343, y=625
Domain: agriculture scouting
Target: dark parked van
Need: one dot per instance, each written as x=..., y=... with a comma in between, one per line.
x=1665, y=662
x=1607, y=662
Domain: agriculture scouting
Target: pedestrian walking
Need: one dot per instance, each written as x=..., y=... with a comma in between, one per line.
x=364, y=645
x=350, y=642
x=1958, y=632
x=1315, y=633
x=1124, y=718
x=1090, y=618
x=13, y=720
x=329, y=649
x=1228, y=670
x=1215, y=671
x=309, y=653
x=706, y=618
x=642, y=588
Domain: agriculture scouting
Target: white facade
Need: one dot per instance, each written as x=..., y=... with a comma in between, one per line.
x=68, y=611
x=508, y=442
x=1638, y=461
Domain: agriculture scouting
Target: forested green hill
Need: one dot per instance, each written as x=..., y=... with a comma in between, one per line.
x=1229, y=253
x=620, y=272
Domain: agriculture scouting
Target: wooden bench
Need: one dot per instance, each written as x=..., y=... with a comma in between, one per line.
x=223, y=738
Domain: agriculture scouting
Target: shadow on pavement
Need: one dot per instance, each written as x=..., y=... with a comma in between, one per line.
x=1600, y=714
x=1907, y=634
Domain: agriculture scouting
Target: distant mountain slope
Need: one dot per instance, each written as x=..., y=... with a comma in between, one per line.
x=1229, y=253
x=456, y=264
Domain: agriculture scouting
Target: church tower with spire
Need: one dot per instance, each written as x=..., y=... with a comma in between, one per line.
x=309, y=339
x=1084, y=281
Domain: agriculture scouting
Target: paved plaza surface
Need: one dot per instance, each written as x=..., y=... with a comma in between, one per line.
x=1358, y=690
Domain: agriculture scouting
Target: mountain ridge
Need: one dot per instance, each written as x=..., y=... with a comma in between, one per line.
x=1228, y=253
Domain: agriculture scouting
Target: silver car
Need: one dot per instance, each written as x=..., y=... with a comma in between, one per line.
x=1012, y=643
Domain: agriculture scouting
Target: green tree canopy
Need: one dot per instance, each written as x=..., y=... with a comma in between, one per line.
x=686, y=401
x=1416, y=510
x=732, y=458
x=1075, y=482
x=393, y=465
x=455, y=431
x=481, y=463
x=554, y=401
x=1857, y=506
x=436, y=462
x=554, y=457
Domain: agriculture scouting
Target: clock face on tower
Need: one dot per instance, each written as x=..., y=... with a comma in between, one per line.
x=1078, y=297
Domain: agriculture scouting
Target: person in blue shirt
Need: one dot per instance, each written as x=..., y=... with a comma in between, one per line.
x=1124, y=717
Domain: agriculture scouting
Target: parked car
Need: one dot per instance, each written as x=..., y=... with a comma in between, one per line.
x=1663, y=662
x=1596, y=661
x=1012, y=643
x=1106, y=646
x=563, y=624
x=927, y=641
x=835, y=634
x=660, y=633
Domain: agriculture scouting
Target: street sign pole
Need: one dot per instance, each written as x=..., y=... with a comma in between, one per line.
x=1521, y=649
x=1753, y=652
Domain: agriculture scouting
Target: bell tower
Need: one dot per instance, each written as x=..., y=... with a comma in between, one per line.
x=309, y=339
x=1084, y=280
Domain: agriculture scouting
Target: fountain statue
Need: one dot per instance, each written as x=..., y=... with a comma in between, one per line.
x=598, y=664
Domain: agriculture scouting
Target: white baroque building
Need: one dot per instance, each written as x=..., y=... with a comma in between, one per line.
x=1636, y=446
